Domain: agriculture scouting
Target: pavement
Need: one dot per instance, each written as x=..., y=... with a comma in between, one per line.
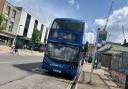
x=99, y=79
x=22, y=52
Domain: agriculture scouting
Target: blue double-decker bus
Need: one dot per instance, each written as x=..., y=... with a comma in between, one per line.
x=64, y=44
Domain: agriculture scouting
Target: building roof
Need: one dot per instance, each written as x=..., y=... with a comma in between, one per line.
x=113, y=49
x=22, y=9
x=112, y=52
x=113, y=43
x=10, y=4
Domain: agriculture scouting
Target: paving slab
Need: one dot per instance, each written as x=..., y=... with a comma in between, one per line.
x=97, y=83
x=99, y=80
x=22, y=52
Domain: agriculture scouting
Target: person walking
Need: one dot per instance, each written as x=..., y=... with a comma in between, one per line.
x=86, y=49
x=25, y=46
x=31, y=48
x=16, y=50
x=12, y=49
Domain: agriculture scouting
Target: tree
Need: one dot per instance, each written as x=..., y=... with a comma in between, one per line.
x=36, y=36
x=1, y=23
x=125, y=43
x=86, y=47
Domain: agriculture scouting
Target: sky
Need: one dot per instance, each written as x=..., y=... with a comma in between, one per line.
x=93, y=12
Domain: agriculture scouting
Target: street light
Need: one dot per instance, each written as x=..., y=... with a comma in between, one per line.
x=94, y=55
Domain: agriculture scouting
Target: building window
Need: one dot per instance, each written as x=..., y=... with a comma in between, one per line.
x=11, y=26
x=27, y=25
x=36, y=24
x=7, y=11
x=5, y=23
x=14, y=14
x=41, y=31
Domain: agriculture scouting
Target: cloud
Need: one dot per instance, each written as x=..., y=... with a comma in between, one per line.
x=16, y=0
x=117, y=19
x=77, y=6
x=89, y=36
x=100, y=22
x=44, y=10
x=71, y=2
x=74, y=3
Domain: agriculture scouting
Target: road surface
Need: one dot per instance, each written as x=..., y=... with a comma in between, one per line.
x=24, y=72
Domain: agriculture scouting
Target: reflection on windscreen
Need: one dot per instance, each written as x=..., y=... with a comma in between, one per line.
x=61, y=52
x=68, y=25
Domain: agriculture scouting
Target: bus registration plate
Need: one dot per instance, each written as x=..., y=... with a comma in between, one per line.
x=56, y=70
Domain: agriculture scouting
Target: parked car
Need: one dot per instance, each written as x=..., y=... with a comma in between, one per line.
x=41, y=48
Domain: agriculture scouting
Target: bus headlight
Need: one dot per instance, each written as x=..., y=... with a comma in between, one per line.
x=72, y=67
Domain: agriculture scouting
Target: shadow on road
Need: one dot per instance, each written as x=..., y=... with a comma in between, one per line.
x=36, y=68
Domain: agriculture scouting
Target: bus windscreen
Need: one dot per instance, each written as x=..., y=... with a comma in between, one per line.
x=67, y=25
x=61, y=52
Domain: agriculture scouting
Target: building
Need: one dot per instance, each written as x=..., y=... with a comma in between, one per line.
x=1, y=6
x=91, y=49
x=27, y=24
x=11, y=15
x=20, y=25
x=44, y=35
x=115, y=58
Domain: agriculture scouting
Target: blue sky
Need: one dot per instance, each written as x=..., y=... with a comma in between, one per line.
x=93, y=12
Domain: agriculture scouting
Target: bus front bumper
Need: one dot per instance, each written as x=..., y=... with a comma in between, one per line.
x=66, y=69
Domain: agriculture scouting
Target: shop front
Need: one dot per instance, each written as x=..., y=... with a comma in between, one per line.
x=6, y=38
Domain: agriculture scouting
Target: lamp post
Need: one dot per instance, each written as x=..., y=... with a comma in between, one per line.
x=94, y=56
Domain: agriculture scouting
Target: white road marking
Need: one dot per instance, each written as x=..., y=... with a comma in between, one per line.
x=76, y=87
x=7, y=62
x=35, y=69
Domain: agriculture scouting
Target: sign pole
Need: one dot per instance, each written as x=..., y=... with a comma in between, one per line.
x=94, y=56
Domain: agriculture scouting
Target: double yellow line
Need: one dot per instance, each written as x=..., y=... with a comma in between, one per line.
x=71, y=83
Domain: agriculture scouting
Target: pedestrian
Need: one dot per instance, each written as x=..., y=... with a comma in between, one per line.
x=31, y=48
x=12, y=49
x=25, y=47
x=16, y=50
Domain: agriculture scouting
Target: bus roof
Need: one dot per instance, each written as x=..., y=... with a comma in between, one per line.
x=69, y=19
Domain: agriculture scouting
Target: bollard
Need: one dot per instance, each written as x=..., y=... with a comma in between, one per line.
x=83, y=73
x=126, y=82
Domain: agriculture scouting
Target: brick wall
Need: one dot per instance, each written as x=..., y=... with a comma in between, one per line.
x=106, y=60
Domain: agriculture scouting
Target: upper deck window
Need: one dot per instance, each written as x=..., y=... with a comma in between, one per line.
x=68, y=25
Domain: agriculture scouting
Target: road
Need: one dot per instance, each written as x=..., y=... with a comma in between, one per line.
x=24, y=72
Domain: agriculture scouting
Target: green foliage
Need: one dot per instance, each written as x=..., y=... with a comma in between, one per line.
x=36, y=36
x=1, y=23
x=125, y=43
x=86, y=47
